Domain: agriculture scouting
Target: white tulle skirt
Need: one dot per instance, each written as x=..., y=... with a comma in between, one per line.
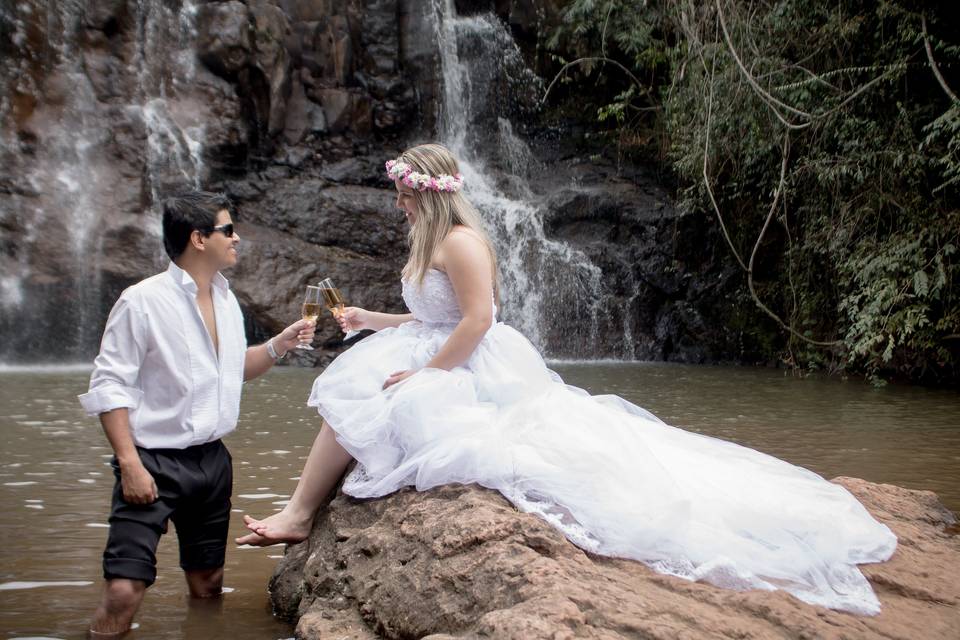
x=611, y=476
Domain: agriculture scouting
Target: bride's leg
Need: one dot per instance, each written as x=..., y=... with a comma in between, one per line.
x=322, y=471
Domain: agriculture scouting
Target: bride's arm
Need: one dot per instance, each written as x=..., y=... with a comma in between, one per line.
x=356, y=318
x=467, y=263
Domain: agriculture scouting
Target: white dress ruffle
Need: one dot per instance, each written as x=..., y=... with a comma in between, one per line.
x=611, y=476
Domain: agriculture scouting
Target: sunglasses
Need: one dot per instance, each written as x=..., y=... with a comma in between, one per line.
x=225, y=229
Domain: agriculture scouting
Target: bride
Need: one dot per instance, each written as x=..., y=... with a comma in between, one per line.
x=448, y=394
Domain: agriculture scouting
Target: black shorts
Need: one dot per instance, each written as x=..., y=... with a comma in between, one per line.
x=194, y=485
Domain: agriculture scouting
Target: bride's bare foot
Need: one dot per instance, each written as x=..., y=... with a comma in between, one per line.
x=278, y=528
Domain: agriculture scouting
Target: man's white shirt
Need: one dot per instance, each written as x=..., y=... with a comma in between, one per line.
x=157, y=359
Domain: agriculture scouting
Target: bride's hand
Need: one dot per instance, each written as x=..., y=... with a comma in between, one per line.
x=353, y=319
x=398, y=376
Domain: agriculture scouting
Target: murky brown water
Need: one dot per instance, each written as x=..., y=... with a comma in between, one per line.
x=55, y=481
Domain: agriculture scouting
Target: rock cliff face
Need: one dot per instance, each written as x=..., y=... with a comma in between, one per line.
x=291, y=107
x=461, y=562
x=112, y=104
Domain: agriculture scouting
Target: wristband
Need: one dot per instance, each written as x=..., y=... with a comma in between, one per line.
x=272, y=352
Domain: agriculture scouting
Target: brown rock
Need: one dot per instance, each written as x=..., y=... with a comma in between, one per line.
x=346, y=110
x=104, y=13
x=303, y=116
x=224, y=41
x=225, y=136
x=275, y=267
x=461, y=562
x=270, y=29
x=359, y=219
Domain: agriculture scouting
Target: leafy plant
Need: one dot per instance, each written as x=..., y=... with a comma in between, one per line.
x=824, y=139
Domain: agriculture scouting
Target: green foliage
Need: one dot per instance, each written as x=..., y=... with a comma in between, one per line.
x=591, y=33
x=864, y=245
x=902, y=299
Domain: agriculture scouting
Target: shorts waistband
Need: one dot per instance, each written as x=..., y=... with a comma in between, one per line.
x=194, y=449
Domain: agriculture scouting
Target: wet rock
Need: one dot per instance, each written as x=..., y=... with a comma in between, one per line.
x=275, y=267
x=362, y=170
x=303, y=116
x=224, y=37
x=346, y=110
x=104, y=15
x=333, y=49
x=355, y=218
x=419, y=59
x=461, y=562
x=270, y=29
x=225, y=143
x=305, y=10
x=296, y=157
x=106, y=76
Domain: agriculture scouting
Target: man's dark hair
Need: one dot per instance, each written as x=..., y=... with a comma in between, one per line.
x=187, y=212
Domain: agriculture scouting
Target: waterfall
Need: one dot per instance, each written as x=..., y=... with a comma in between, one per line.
x=174, y=138
x=551, y=292
x=67, y=179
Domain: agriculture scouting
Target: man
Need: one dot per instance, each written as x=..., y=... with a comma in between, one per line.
x=166, y=386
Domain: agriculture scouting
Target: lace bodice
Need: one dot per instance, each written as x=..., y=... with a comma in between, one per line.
x=435, y=302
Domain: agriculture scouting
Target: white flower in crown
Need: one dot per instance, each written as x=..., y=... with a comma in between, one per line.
x=402, y=171
x=418, y=181
x=398, y=170
x=447, y=183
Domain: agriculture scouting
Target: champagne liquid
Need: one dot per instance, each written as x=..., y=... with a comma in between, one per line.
x=311, y=311
x=334, y=301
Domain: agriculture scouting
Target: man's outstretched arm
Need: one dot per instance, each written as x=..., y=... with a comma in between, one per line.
x=258, y=359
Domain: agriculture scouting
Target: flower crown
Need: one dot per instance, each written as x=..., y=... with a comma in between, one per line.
x=397, y=170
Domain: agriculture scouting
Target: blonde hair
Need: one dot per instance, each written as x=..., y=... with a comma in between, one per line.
x=438, y=213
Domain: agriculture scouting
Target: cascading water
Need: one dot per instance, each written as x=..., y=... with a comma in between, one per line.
x=545, y=283
x=66, y=178
x=175, y=139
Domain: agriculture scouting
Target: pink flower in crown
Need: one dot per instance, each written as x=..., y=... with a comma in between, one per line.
x=448, y=183
x=397, y=170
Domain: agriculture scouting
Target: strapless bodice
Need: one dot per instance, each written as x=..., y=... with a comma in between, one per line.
x=434, y=301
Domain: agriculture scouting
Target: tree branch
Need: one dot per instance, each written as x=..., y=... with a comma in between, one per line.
x=771, y=101
x=706, y=155
x=640, y=85
x=933, y=63
x=785, y=154
x=756, y=247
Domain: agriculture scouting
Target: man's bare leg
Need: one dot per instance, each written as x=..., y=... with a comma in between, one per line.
x=322, y=471
x=121, y=599
x=205, y=583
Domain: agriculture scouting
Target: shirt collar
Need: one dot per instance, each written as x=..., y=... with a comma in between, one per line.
x=186, y=282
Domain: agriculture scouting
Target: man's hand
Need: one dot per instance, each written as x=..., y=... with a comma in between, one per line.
x=299, y=331
x=137, y=484
x=397, y=377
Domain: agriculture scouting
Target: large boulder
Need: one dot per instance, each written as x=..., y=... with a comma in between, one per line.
x=356, y=218
x=461, y=562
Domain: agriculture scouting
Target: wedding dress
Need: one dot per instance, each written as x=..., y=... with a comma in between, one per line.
x=611, y=476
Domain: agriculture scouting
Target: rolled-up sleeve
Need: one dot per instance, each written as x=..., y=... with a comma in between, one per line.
x=114, y=382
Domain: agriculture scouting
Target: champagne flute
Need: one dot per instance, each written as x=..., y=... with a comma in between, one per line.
x=311, y=311
x=334, y=301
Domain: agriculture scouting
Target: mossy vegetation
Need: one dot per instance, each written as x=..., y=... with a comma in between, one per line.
x=823, y=139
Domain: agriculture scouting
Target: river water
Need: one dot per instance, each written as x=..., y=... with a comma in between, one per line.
x=55, y=480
